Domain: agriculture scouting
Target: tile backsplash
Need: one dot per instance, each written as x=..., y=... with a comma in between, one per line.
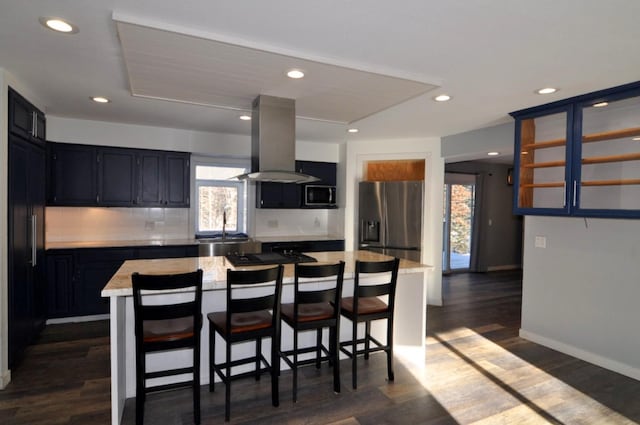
x=73, y=224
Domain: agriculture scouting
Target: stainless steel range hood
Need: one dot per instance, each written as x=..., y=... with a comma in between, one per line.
x=273, y=142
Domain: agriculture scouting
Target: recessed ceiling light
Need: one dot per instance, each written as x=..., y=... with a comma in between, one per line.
x=636, y=138
x=100, y=99
x=353, y=130
x=600, y=104
x=546, y=90
x=295, y=74
x=245, y=117
x=59, y=25
x=442, y=98
x=493, y=153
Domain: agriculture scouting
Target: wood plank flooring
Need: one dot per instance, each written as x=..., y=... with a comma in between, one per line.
x=476, y=371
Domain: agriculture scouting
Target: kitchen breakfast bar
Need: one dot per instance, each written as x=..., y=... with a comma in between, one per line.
x=409, y=323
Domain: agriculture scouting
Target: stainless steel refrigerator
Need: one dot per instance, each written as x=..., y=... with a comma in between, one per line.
x=390, y=218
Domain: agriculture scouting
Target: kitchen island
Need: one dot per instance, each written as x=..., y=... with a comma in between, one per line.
x=409, y=325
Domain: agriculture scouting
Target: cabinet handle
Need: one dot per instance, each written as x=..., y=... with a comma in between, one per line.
x=97, y=198
x=330, y=195
x=575, y=187
x=33, y=123
x=564, y=194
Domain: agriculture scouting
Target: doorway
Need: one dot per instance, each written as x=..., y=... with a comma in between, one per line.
x=457, y=219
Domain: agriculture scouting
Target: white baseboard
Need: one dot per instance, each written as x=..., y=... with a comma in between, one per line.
x=5, y=378
x=77, y=319
x=622, y=368
x=505, y=267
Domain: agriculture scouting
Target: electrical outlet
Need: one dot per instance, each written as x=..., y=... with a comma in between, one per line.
x=541, y=242
x=316, y=222
x=272, y=223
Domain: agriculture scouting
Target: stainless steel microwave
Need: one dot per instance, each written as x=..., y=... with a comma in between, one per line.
x=319, y=196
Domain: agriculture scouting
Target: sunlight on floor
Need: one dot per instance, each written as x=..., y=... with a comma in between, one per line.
x=500, y=386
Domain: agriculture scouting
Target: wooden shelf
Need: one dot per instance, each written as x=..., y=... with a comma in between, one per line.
x=611, y=158
x=610, y=182
x=544, y=164
x=588, y=138
x=611, y=135
x=543, y=145
x=534, y=185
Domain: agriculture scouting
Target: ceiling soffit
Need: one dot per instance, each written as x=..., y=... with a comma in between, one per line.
x=173, y=66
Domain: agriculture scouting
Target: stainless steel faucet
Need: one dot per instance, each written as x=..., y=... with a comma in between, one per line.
x=224, y=223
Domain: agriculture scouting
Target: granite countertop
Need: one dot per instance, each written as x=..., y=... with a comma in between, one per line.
x=215, y=269
x=299, y=238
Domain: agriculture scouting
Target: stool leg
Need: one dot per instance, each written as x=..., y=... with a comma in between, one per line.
x=295, y=365
x=258, y=354
x=318, y=347
x=275, y=371
x=196, y=383
x=354, y=346
x=212, y=357
x=335, y=357
x=227, y=387
x=390, y=350
x=140, y=386
x=367, y=337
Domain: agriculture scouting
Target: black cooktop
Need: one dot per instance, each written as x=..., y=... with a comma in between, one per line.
x=269, y=258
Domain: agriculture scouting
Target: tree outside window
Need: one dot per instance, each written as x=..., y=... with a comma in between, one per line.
x=218, y=195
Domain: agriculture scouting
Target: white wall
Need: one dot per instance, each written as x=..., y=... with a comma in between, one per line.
x=359, y=152
x=581, y=292
x=475, y=144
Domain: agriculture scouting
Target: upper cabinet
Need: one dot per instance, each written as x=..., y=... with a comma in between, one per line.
x=25, y=120
x=290, y=195
x=83, y=175
x=580, y=156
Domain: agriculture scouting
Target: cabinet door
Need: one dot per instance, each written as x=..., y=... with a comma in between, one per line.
x=40, y=132
x=606, y=169
x=117, y=177
x=73, y=174
x=21, y=117
x=150, y=178
x=325, y=171
x=60, y=273
x=278, y=195
x=177, y=180
x=541, y=156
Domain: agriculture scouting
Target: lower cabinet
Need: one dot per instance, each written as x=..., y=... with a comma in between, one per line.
x=75, y=277
x=304, y=246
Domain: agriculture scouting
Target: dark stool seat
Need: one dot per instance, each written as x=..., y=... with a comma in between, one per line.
x=365, y=306
x=165, y=327
x=247, y=318
x=316, y=305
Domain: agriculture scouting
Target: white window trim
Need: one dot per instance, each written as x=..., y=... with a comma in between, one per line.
x=220, y=162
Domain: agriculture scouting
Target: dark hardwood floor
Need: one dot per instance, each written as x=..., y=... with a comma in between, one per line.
x=476, y=371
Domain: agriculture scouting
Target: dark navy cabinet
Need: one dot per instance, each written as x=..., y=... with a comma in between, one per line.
x=304, y=246
x=290, y=195
x=580, y=156
x=75, y=277
x=25, y=120
x=25, y=214
x=85, y=175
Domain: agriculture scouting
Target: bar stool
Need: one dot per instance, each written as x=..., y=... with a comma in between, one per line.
x=167, y=326
x=316, y=305
x=248, y=318
x=365, y=306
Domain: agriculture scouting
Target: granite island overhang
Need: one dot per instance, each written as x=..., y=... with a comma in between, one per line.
x=409, y=319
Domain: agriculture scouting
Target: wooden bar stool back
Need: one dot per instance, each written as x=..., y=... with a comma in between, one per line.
x=248, y=318
x=167, y=326
x=365, y=306
x=316, y=305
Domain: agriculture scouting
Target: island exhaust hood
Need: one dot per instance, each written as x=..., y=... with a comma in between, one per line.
x=273, y=142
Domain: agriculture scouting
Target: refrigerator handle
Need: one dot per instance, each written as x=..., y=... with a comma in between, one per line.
x=34, y=240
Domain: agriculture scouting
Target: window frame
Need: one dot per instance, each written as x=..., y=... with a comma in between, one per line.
x=240, y=185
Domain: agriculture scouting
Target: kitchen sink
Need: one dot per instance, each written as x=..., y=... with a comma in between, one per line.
x=229, y=245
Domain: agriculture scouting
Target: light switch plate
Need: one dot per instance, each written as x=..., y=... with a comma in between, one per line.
x=541, y=242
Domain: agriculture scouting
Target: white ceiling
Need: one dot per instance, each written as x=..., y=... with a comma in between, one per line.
x=489, y=56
